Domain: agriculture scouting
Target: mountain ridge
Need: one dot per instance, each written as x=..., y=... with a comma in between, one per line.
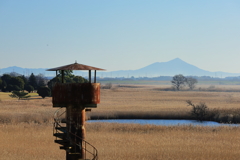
x=169, y=68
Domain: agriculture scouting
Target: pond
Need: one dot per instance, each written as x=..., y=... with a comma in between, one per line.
x=164, y=122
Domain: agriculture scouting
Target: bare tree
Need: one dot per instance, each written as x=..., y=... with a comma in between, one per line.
x=41, y=80
x=178, y=81
x=191, y=82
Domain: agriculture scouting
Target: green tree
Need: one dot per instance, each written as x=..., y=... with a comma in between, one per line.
x=19, y=95
x=69, y=78
x=1, y=83
x=4, y=86
x=178, y=81
x=11, y=87
x=17, y=81
x=32, y=81
x=67, y=73
x=53, y=81
x=79, y=79
x=29, y=88
x=44, y=92
x=25, y=80
x=6, y=78
x=10, y=83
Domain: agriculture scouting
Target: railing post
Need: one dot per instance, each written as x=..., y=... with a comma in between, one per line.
x=95, y=76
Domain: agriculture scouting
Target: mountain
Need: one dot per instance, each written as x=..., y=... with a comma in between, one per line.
x=24, y=71
x=170, y=68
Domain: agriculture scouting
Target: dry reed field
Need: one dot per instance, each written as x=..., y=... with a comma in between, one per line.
x=34, y=110
x=125, y=142
x=152, y=100
x=26, y=127
x=146, y=142
x=147, y=98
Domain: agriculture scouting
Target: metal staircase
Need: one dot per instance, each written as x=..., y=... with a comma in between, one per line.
x=69, y=141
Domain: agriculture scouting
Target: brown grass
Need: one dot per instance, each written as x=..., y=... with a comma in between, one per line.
x=150, y=102
x=145, y=99
x=132, y=141
x=125, y=142
x=26, y=127
x=28, y=111
x=28, y=142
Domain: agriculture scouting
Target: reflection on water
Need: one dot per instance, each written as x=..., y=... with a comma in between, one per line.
x=164, y=122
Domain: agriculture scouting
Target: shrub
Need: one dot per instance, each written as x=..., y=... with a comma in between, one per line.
x=199, y=111
x=29, y=88
x=44, y=92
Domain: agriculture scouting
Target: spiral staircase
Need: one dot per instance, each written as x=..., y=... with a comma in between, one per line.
x=69, y=141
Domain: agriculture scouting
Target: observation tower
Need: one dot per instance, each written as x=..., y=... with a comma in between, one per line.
x=73, y=100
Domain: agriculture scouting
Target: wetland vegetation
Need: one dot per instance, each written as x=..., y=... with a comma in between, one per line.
x=26, y=126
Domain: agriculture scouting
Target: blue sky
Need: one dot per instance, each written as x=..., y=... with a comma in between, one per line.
x=120, y=34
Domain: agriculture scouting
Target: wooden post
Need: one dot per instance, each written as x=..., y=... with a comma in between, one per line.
x=62, y=76
x=89, y=76
x=95, y=76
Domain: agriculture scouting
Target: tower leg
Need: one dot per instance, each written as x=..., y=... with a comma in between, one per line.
x=76, y=132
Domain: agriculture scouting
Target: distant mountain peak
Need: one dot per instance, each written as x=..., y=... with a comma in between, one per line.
x=176, y=60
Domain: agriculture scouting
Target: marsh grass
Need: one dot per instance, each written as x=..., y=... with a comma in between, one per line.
x=132, y=141
x=147, y=102
x=26, y=127
x=27, y=111
x=140, y=102
x=27, y=142
x=125, y=142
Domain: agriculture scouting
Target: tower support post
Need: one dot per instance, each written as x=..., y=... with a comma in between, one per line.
x=75, y=116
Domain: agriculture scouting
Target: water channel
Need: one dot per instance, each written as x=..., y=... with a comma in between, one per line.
x=164, y=122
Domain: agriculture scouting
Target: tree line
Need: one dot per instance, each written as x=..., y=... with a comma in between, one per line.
x=17, y=83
